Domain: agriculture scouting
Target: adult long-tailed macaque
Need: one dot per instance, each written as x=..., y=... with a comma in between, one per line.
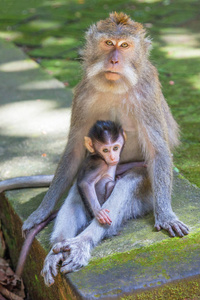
x=97, y=176
x=119, y=84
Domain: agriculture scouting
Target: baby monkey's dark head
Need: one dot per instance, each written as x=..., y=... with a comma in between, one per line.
x=106, y=138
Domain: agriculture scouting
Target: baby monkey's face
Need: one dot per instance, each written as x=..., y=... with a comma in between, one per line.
x=111, y=150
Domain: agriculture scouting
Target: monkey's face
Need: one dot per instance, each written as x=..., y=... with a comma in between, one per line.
x=111, y=68
x=115, y=54
x=116, y=51
x=110, y=151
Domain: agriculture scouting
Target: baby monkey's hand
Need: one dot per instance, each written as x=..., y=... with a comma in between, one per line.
x=103, y=217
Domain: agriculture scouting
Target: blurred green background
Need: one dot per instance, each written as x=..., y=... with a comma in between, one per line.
x=52, y=33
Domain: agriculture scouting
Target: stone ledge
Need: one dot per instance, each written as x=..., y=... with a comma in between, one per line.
x=138, y=261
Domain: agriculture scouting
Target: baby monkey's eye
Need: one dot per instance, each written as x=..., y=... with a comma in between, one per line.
x=109, y=43
x=124, y=45
x=105, y=150
x=115, y=148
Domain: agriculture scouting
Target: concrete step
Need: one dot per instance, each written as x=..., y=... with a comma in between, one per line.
x=138, y=263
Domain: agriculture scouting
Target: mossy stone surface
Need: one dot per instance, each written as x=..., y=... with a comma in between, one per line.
x=138, y=258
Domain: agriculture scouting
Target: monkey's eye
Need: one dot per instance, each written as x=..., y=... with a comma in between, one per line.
x=115, y=148
x=109, y=43
x=105, y=150
x=124, y=45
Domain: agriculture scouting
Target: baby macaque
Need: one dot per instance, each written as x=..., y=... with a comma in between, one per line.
x=96, y=178
x=98, y=172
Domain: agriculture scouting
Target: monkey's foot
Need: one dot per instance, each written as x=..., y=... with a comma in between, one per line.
x=79, y=253
x=173, y=226
x=50, y=267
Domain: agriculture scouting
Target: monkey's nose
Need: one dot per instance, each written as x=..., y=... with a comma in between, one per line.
x=114, y=61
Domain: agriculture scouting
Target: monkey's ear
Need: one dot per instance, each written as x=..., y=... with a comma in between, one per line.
x=148, y=44
x=124, y=135
x=88, y=144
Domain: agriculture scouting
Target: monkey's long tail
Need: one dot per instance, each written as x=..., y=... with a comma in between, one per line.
x=26, y=182
x=28, y=242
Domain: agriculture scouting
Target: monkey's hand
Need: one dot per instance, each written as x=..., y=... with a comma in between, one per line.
x=37, y=217
x=103, y=217
x=79, y=253
x=172, y=225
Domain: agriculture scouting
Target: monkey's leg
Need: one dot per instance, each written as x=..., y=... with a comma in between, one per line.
x=72, y=217
x=130, y=198
x=109, y=188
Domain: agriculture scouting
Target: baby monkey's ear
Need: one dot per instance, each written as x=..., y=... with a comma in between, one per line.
x=125, y=136
x=88, y=144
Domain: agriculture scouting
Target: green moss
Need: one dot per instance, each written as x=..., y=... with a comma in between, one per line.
x=154, y=262
x=65, y=70
x=189, y=289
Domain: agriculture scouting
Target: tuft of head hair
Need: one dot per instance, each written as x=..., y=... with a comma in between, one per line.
x=120, y=23
x=120, y=18
x=105, y=131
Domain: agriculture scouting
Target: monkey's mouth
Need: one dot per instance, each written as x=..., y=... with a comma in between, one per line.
x=110, y=75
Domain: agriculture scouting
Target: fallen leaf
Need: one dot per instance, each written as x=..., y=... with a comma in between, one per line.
x=2, y=276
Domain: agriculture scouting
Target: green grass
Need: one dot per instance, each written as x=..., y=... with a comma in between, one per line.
x=52, y=33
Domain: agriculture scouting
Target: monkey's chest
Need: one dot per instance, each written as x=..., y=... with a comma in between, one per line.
x=125, y=116
x=132, y=150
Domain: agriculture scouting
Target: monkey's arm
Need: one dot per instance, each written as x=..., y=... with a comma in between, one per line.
x=26, y=181
x=69, y=162
x=154, y=139
x=86, y=186
x=89, y=196
x=64, y=175
x=122, y=168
